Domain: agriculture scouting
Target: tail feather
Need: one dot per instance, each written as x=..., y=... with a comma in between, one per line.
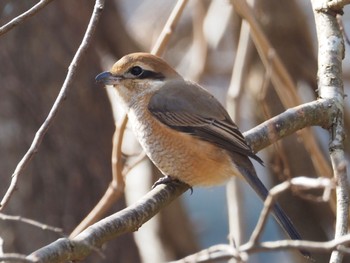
x=248, y=172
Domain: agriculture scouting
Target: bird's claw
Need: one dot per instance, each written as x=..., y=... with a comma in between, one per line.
x=167, y=180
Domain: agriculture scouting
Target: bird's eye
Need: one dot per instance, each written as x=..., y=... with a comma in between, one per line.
x=136, y=71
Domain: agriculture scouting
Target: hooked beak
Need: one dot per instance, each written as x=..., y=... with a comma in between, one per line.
x=108, y=78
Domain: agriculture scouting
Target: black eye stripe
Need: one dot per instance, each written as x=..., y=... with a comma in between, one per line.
x=140, y=73
x=148, y=74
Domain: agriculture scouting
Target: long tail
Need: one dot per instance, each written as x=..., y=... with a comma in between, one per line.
x=246, y=168
x=278, y=212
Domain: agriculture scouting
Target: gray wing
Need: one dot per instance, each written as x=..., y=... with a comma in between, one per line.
x=191, y=109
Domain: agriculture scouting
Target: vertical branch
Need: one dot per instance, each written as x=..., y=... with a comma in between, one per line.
x=169, y=27
x=234, y=97
x=330, y=55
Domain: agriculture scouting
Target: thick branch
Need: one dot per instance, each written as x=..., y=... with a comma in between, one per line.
x=127, y=220
x=330, y=55
x=316, y=113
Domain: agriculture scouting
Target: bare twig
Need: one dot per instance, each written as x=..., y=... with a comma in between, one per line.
x=282, y=81
x=300, y=182
x=21, y=166
x=21, y=18
x=169, y=27
x=234, y=193
x=213, y=254
x=225, y=251
x=30, y=222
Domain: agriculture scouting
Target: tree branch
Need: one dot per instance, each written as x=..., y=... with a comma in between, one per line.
x=21, y=18
x=30, y=222
x=330, y=56
x=127, y=220
x=225, y=252
x=131, y=218
x=315, y=113
x=21, y=166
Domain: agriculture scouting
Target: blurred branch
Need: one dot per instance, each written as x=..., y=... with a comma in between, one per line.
x=169, y=27
x=234, y=193
x=330, y=86
x=127, y=220
x=21, y=18
x=21, y=166
x=282, y=82
x=30, y=222
x=14, y=257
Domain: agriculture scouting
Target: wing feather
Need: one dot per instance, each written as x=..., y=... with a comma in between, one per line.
x=191, y=109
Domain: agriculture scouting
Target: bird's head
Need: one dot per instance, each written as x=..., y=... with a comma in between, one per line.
x=137, y=74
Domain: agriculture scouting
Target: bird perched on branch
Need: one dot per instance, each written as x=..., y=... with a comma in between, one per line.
x=183, y=129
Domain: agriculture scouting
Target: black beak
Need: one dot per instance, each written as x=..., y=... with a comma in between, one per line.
x=107, y=78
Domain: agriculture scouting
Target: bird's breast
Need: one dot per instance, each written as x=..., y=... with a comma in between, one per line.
x=180, y=155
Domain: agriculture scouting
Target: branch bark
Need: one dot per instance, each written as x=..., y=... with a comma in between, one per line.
x=128, y=220
x=330, y=56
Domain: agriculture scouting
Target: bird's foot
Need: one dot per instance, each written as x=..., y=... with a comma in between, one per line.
x=167, y=180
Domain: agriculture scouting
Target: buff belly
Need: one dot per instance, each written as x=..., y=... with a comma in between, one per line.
x=180, y=155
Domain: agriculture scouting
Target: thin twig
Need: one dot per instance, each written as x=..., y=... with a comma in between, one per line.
x=21, y=166
x=225, y=251
x=234, y=193
x=300, y=182
x=282, y=81
x=24, y=16
x=168, y=29
x=30, y=222
x=268, y=203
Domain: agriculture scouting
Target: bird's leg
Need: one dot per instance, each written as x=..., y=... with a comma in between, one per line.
x=168, y=180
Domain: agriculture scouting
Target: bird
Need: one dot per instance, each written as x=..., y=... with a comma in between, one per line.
x=184, y=130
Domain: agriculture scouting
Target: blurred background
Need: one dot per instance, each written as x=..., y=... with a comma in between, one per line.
x=72, y=168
